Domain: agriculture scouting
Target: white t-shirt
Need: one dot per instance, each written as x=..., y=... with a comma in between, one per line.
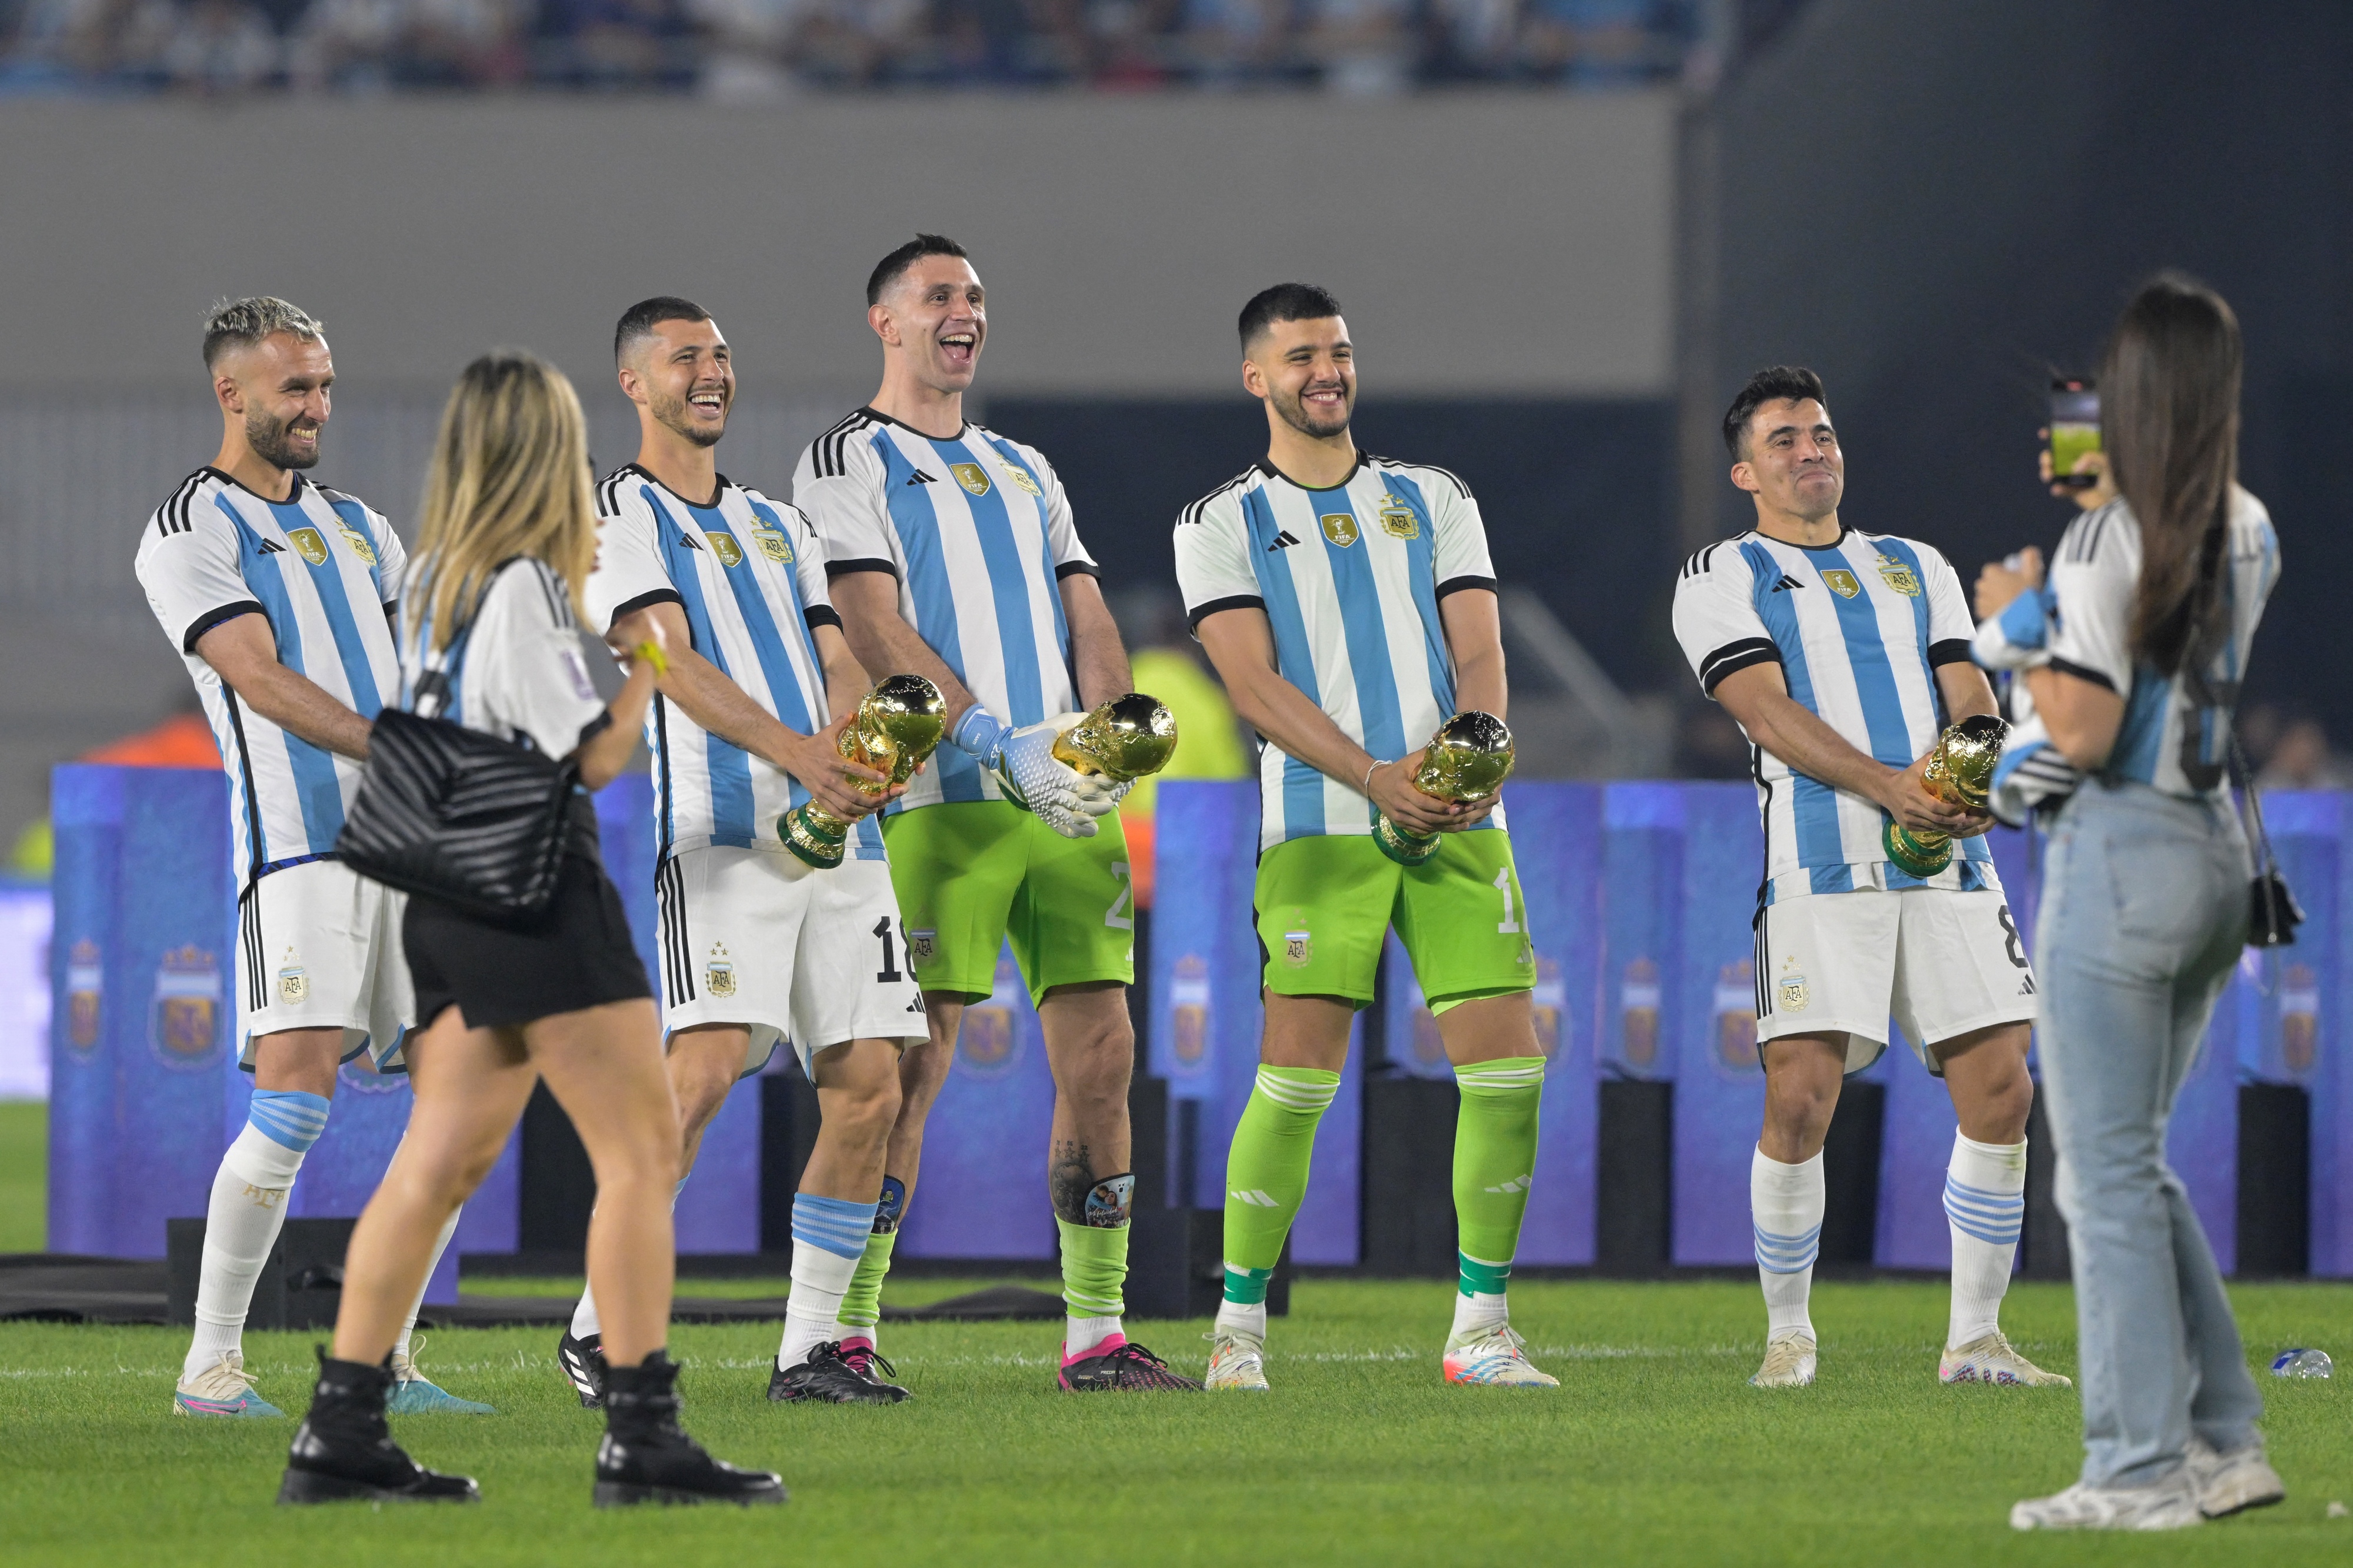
x=516, y=672
x=1350, y=580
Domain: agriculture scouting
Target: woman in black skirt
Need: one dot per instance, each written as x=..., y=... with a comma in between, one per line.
x=489, y=641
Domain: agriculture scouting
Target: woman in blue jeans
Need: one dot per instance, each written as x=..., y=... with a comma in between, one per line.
x=2132, y=652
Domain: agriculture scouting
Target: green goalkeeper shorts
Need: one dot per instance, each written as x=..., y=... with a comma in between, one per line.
x=970, y=874
x=1323, y=905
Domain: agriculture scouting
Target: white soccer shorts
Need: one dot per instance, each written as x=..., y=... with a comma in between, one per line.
x=317, y=947
x=751, y=937
x=1942, y=963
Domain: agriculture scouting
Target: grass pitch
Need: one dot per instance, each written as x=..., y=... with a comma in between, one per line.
x=1653, y=1450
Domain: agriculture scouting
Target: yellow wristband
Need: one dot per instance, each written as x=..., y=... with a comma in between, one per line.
x=650, y=654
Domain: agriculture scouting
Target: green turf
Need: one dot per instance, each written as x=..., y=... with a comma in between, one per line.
x=1653, y=1450
x=914, y=1292
x=24, y=1175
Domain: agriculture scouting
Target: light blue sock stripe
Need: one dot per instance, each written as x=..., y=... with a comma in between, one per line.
x=1984, y=1194
x=1788, y=1254
x=288, y=1116
x=1992, y=1217
x=832, y=1225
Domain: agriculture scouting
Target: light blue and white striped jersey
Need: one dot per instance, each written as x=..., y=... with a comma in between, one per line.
x=1859, y=627
x=978, y=533
x=514, y=669
x=2176, y=734
x=327, y=572
x=1350, y=580
x=749, y=573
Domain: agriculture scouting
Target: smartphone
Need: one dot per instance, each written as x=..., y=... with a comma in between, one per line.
x=2074, y=430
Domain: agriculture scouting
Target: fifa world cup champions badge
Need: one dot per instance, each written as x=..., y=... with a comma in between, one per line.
x=899, y=725
x=1959, y=772
x=1468, y=760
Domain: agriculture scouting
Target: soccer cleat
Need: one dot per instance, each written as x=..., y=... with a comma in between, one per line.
x=647, y=1458
x=343, y=1452
x=1993, y=1359
x=223, y=1389
x=414, y=1393
x=1496, y=1355
x=1788, y=1362
x=2171, y=1504
x=583, y=1362
x=2227, y=1483
x=1237, y=1359
x=1123, y=1368
x=832, y=1376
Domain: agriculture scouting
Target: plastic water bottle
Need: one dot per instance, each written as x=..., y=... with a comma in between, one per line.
x=2302, y=1364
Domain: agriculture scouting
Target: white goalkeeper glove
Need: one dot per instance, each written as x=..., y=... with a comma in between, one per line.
x=1026, y=768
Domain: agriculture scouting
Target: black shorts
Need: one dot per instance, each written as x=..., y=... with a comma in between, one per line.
x=578, y=955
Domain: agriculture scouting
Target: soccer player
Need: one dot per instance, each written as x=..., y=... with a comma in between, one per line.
x=279, y=593
x=953, y=555
x=1349, y=606
x=756, y=946
x=1843, y=655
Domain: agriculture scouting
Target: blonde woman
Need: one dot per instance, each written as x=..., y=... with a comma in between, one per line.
x=489, y=642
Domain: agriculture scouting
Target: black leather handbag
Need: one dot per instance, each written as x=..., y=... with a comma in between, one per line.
x=2273, y=914
x=448, y=813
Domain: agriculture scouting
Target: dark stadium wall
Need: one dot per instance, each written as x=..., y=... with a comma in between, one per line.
x=1577, y=494
x=1936, y=204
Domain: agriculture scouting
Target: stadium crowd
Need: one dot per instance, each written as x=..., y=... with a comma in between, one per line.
x=754, y=49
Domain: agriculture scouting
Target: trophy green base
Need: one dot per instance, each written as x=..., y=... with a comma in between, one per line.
x=812, y=839
x=1918, y=854
x=1405, y=848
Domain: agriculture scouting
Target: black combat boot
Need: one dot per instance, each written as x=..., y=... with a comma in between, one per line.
x=645, y=1458
x=343, y=1452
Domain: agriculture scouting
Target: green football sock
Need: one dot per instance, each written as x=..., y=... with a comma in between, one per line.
x=1266, y=1172
x=861, y=1307
x=1494, y=1156
x=1094, y=1266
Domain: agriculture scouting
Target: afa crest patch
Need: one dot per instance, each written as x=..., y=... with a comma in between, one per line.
x=1792, y=992
x=1018, y=477
x=923, y=945
x=1899, y=576
x=359, y=543
x=1399, y=522
x=1298, y=948
x=774, y=545
x=719, y=975
x=293, y=981
x=1842, y=582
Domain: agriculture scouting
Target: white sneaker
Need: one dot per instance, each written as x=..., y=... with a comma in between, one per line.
x=1788, y=1361
x=1495, y=1355
x=2227, y=1483
x=1993, y=1359
x=224, y=1388
x=2171, y=1504
x=1237, y=1359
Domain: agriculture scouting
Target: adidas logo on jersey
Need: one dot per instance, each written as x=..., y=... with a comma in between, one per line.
x=1786, y=584
x=271, y=547
x=688, y=539
x=1282, y=540
x=920, y=478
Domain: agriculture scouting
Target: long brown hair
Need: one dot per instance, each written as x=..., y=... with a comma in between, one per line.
x=2170, y=422
x=509, y=477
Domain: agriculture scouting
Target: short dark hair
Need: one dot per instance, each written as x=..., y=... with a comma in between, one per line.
x=1285, y=303
x=886, y=271
x=241, y=324
x=640, y=319
x=1774, y=384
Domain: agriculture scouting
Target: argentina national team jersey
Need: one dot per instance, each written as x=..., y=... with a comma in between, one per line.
x=978, y=535
x=2176, y=732
x=1350, y=579
x=1859, y=627
x=326, y=572
x=749, y=575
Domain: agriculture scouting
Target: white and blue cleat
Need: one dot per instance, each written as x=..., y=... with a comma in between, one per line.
x=1495, y=1356
x=414, y=1393
x=223, y=1389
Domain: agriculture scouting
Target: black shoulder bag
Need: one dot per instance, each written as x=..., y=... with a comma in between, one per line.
x=456, y=815
x=2273, y=914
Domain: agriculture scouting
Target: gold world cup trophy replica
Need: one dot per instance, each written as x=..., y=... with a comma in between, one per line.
x=899, y=725
x=1126, y=739
x=1959, y=772
x=1468, y=760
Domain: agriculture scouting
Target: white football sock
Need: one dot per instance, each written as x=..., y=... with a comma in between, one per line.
x=448, y=1229
x=820, y=1280
x=1477, y=1315
x=586, y=1324
x=1786, y=1205
x=1080, y=1335
x=1236, y=1317
x=242, y=1220
x=1985, y=1202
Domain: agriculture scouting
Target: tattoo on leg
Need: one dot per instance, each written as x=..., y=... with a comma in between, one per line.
x=1069, y=1176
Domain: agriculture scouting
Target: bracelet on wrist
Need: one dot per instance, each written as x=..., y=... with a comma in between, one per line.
x=1376, y=767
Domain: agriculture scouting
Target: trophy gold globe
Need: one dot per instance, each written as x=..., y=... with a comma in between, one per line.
x=1126, y=739
x=1959, y=772
x=1468, y=760
x=898, y=726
